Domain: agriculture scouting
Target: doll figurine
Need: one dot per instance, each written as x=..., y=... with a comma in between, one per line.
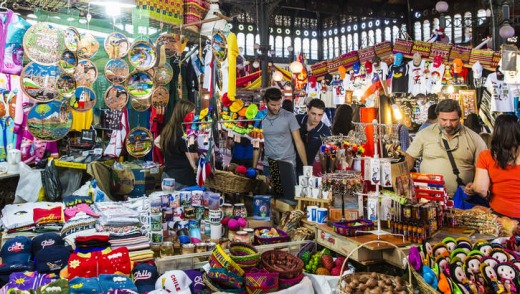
x=458, y=253
x=440, y=249
x=450, y=243
x=483, y=246
x=459, y=277
x=472, y=270
x=499, y=254
x=442, y=265
x=490, y=276
x=508, y=275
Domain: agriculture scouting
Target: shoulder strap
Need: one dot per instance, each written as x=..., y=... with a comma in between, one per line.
x=452, y=161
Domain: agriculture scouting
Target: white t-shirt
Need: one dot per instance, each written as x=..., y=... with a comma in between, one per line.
x=313, y=92
x=416, y=81
x=501, y=95
x=434, y=84
x=326, y=96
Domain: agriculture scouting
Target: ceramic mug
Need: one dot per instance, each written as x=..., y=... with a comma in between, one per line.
x=199, y=212
x=297, y=191
x=182, y=225
x=227, y=208
x=215, y=216
x=196, y=198
x=185, y=198
x=217, y=230
x=215, y=201
x=168, y=184
x=205, y=199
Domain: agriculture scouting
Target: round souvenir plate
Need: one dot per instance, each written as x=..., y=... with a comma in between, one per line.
x=83, y=99
x=49, y=121
x=117, y=71
x=116, y=45
x=139, y=85
x=139, y=142
x=43, y=43
x=219, y=46
x=88, y=46
x=39, y=81
x=68, y=61
x=164, y=74
x=160, y=97
x=85, y=73
x=168, y=41
x=66, y=85
x=116, y=97
x=71, y=39
x=142, y=55
x=140, y=104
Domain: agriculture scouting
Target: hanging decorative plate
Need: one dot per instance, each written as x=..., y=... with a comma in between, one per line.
x=139, y=85
x=219, y=46
x=39, y=81
x=139, y=142
x=160, y=97
x=116, y=97
x=85, y=73
x=117, y=71
x=71, y=39
x=49, y=121
x=164, y=74
x=142, y=55
x=140, y=104
x=83, y=99
x=68, y=61
x=66, y=85
x=43, y=43
x=116, y=45
x=168, y=41
x=88, y=46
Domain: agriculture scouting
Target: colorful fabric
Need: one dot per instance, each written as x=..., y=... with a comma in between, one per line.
x=441, y=49
x=422, y=47
x=171, y=12
x=484, y=56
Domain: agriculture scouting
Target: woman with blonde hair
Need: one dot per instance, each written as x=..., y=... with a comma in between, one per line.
x=180, y=162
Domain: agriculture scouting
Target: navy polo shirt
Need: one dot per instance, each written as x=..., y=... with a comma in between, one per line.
x=311, y=139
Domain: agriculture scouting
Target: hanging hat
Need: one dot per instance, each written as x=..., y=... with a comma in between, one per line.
x=477, y=70
x=203, y=113
x=225, y=100
x=342, y=71
x=251, y=111
x=368, y=67
x=457, y=65
x=189, y=117
x=242, y=112
x=236, y=105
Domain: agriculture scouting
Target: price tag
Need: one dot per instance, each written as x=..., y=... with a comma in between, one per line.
x=230, y=134
x=237, y=138
x=256, y=143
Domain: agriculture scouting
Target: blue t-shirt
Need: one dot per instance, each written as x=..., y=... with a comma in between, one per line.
x=311, y=139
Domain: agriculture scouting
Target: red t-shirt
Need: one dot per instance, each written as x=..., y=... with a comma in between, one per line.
x=505, y=186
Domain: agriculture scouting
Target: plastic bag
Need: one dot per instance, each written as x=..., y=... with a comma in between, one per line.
x=51, y=182
x=29, y=185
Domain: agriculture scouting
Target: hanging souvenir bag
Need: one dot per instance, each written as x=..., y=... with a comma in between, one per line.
x=403, y=46
x=12, y=31
x=366, y=54
x=484, y=56
x=441, y=49
x=319, y=69
x=384, y=50
x=461, y=52
x=422, y=47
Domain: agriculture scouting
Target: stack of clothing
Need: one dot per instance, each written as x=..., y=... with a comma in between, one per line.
x=32, y=217
x=138, y=246
x=80, y=219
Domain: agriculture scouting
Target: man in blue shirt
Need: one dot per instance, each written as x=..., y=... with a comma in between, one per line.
x=312, y=130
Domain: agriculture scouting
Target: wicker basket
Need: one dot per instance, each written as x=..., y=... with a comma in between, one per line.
x=227, y=182
x=347, y=228
x=421, y=283
x=244, y=254
x=215, y=288
x=286, y=264
x=283, y=237
x=344, y=280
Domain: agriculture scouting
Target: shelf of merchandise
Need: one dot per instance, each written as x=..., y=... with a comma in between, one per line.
x=198, y=260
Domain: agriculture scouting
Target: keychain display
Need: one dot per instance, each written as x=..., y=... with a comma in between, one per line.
x=116, y=45
x=116, y=97
x=39, y=81
x=117, y=71
x=49, y=121
x=68, y=61
x=142, y=55
x=85, y=73
x=139, y=142
x=83, y=99
x=43, y=43
x=88, y=46
x=66, y=85
x=72, y=39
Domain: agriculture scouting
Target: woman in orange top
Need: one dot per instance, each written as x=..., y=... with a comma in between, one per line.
x=498, y=169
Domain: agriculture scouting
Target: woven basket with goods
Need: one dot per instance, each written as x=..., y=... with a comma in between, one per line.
x=227, y=182
x=374, y=282
x=244, y=255
x=286, y=264
x=349, y=228
x=270, y=235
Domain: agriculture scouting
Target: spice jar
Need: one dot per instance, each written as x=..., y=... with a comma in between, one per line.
x=200, y=247
x=188, y=248
x=166, y=249
x=156, y=248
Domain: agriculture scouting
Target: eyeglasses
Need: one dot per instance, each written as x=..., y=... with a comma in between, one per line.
x=450, y=144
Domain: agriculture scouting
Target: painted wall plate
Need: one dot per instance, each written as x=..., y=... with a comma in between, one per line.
x=43, y=43
x=68, y=61
x=163, y=74
x=66, y=85
x=139, y=142
x=160, y=97
x=142, y=55
x=49, y=121
x=72, y=39
x=39, y=81
x=83, y=99
x=219, y=46
x=88, y=46
x=117, y=71
x=116, y=45
x=139, y=85
x=116, y=97
x=85, y=73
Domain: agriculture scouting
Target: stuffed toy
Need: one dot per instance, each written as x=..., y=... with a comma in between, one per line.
x=499, y=254
x=439, y=249
x=414, y=258
x=507, y=273
x=450, y=243
x=459, y=253
x=472, y=270
x=490, y=276
x=430, y=277
x=459, y=278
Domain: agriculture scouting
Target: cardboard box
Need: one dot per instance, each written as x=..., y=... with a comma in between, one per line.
x=335, y=214
x=147, y=180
